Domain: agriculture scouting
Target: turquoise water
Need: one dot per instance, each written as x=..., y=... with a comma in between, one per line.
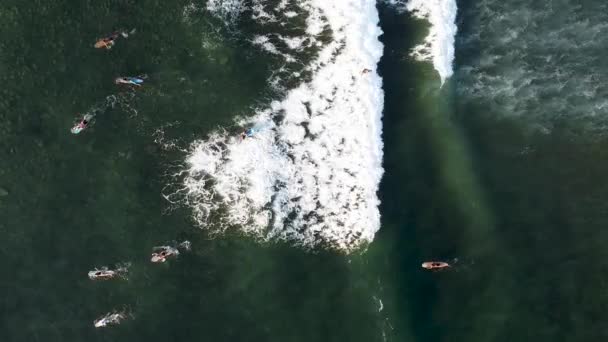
x=521, y=209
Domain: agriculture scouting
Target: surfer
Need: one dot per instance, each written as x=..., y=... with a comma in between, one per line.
x=109, y=41
x=102, y=274
x=134, y=81
x=83, y=124
x=248, y=133
x=161, y=253
x=435, y=265
x=365, y=71
x=105, y=273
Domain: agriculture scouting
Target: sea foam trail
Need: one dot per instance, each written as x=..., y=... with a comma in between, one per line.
x=438, y=46
x=310, y=175
x=538, y=62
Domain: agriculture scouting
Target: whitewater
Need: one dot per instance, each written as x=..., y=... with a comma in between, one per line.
x=311, y=173
x=438, y=45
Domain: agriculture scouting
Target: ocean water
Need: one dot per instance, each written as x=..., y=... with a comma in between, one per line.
x=386, y=134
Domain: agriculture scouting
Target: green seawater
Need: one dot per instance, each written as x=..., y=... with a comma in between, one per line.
x=521, y=208
x=76, y=202
x=523, y=211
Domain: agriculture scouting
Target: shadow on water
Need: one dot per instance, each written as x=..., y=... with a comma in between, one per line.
x=548, y=190
x=536, y=271
x=406, y=185
x=434, y=205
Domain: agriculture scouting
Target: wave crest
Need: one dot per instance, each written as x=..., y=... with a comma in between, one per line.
x=311, y=172
x=438, y=46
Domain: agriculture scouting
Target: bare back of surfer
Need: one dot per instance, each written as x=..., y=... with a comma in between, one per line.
x=435, y=265
x=109, y=41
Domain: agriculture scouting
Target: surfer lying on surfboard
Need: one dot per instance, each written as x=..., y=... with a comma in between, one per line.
x=435, y=265
x=108, y=41
x=134, y=81
x=105, y=273
x=161, y=253
x=83, y=124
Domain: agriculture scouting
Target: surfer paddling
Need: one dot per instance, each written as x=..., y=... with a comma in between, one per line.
x=109, y=41
x=162, y=253
x=131, y=81
x=101, y=274
x=435, y=265
x=105, y=273
x=82, y=124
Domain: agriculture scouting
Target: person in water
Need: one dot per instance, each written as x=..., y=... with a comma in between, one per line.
x=435, y=265
x=102, y=274
x=105, y=273
x=248, y=133
x=83, y=124
x=134, y=81
x=109, y=41
x=161, y=253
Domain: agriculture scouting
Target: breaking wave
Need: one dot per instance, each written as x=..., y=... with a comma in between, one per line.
x=311, y=172
x=438, y=46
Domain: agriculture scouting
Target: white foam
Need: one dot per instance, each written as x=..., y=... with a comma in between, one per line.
x=438, y=46
x=227, y=9
x=291, y=14
x=259, y=13
x=294, y=43
x=264, y=43
x=188, y=11
x=282, y=5
x=312, y=177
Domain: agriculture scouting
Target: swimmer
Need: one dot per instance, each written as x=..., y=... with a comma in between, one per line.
x=83, y=124
x=365, y=71
x=435, y=265
x=111, y=318
x=134, y=81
